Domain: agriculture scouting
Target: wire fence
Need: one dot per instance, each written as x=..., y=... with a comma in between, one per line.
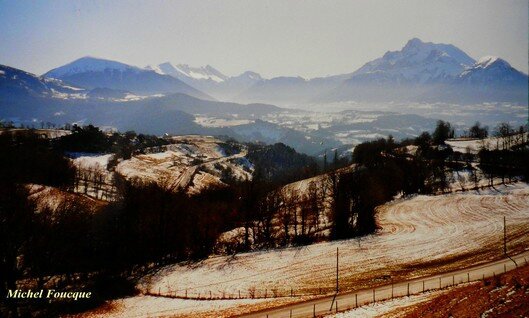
x=385, y=292
x=354, y=299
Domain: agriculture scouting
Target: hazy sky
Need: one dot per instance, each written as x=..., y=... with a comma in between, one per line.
x=306, y=38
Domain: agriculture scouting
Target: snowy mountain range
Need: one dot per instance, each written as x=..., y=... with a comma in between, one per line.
x=177, y=98
x=417, y=62
x=432, y=73
x=186, y=73
x=209, y=79
x=16, y=84
x=90, y=72
x=29, y=100
x=419, y=72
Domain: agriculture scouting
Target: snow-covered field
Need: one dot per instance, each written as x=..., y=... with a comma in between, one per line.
x=463, y=180
x=490, y=143
x=207, y=121
x=86, y=161
x=46, y=197
x=418, y=236
x=191, y=163
x=150, y=306
x=93, y=167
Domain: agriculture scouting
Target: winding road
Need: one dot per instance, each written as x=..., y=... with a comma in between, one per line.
x=183, y=180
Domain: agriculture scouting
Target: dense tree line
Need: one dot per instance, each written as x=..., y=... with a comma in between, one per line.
x=508, y=157
x=91, y=139
x=160, y=225
x=280, y=163
x=70, y=245
x=27, y=158
x=505, y=164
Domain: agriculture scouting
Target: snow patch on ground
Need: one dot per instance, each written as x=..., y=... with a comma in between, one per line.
x=414, y=231
x=150, y=306
x=384, y=307
x=92, y=160
x=490, y=143
x=190, y=162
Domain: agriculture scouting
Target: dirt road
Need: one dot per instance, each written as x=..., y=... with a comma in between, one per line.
x=183, y=180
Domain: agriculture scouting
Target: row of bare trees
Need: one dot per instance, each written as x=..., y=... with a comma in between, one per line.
x=285, y=215
x=94, y=181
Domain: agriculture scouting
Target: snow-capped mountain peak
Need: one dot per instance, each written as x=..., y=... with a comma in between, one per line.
x=89, y=64
x=417, y=62
x=416, y=46
x=492, y=69
x=201, y=73
x=165, y=68
x=492, y=61
x=15, y=82
x=155, y=69
x=188, y=73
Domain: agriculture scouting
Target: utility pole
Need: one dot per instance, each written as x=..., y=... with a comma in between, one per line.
x=337, y=286
x=504, y=237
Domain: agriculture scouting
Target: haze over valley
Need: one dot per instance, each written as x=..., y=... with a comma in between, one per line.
x=401, y=94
